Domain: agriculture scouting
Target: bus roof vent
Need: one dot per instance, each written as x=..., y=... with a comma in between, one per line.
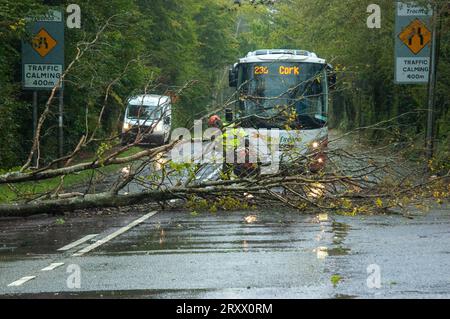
x=282, y=51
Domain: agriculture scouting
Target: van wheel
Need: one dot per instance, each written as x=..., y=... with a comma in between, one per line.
x=124, y=140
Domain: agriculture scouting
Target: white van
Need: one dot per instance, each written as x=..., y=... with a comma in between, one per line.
x=149, y=118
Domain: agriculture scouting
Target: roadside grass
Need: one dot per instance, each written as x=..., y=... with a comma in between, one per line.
x=17, y=191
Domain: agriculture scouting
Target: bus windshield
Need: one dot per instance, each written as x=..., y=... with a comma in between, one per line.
x=272, y=91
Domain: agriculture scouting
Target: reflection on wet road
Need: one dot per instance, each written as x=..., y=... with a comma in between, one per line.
x=270, y=254
x=220, y=233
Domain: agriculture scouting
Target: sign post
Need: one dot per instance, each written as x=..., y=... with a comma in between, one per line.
x=429, y=144
x=35, y=115
x=43, y=59
x=415, y=54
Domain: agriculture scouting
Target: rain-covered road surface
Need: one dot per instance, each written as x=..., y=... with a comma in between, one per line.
x=271, y=254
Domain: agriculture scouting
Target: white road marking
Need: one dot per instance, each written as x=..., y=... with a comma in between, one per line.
x=113, y=235
x=52, y=266
x=21, y=281
x=78, y=242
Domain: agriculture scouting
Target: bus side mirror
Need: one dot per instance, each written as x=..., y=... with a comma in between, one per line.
x=232, y=77
x=331, y=77
x=332, y=81
x=228, y=115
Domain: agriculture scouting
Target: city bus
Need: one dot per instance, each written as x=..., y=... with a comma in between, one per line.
x=287, y=92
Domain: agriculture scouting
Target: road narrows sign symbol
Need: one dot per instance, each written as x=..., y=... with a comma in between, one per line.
x=43, y=42
x=416, y=36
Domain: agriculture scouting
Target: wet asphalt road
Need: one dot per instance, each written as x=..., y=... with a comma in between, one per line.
x=271, y=254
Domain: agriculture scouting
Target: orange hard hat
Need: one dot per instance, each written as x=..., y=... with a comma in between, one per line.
x=214, y=121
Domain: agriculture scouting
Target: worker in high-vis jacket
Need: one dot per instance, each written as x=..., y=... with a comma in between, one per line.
x=232, y=138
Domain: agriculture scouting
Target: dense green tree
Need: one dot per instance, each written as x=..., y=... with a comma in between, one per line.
x=364, y=62
x=164, y=44
x=161, y=45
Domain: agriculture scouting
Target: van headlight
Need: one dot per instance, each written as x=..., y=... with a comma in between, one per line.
x=315, y=145
x=126, y=127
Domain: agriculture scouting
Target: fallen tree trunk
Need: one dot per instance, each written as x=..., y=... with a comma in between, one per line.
x=108, y=199
x=18, y=177
x=101, y=200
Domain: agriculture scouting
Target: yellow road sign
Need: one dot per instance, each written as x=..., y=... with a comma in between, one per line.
x=43, y=43
x=416, y=36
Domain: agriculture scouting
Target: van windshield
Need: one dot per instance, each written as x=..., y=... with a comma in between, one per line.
x=144, y=112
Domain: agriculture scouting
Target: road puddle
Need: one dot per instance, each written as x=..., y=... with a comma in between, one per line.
x=251, y=219
x=321, y=252
x=338, y=251
x=334, y=233
x=224, y=232
x=28, y=238
x=340, y=232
